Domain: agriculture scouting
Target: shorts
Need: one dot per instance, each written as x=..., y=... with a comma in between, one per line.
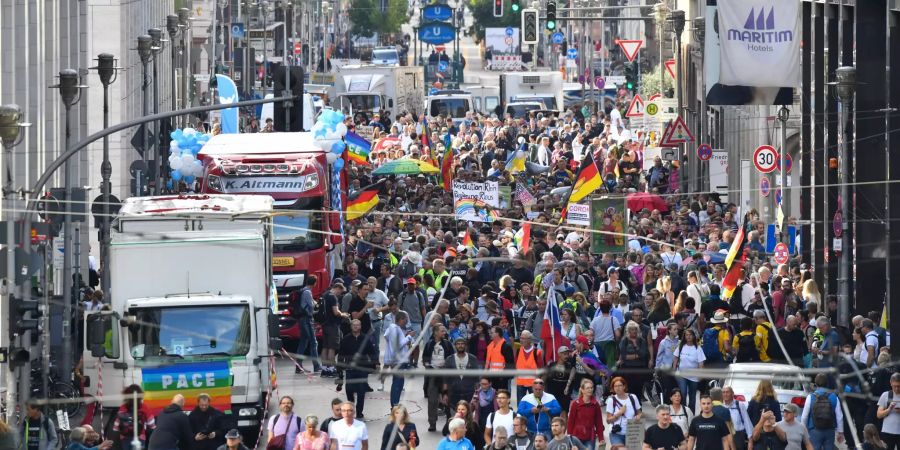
x=331, y=337
x=616, y=439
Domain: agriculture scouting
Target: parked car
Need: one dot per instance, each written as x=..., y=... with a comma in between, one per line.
x=790, y=386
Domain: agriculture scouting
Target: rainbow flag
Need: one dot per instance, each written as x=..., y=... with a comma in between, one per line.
x=358, y=148
x=447, y=169
x=426, y=135
x=467, y=240
x=160, y=384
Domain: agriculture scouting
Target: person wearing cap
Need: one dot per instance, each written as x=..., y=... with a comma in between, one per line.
x=796, y=435
x=233, y=441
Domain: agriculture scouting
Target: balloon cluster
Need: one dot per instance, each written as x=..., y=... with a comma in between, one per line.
x=185, y=146
x=329, y=132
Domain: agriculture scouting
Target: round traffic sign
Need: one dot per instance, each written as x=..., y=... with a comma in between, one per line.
x=651, y=109
x=789, y=163
x=837, y=224
x=599, y=82
x=510, y=31
x=764, y=158
x=781, y=253
x=508, y=40
x=704, y=152
x=557, y=37
x=765, y=186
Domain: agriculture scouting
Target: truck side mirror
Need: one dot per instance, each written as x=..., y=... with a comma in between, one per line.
x=390, y=103
x=97, y=325
x=275, y=343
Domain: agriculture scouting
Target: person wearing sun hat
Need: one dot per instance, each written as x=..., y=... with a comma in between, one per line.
x=717, y=340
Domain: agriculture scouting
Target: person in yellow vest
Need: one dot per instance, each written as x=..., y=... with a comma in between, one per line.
x=529, y=357
x=764, y=330
x=499, y=357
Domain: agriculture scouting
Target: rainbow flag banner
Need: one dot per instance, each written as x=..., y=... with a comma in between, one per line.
x=475, y=210
x=160, y=384
x=357, y=148
x=476, y=202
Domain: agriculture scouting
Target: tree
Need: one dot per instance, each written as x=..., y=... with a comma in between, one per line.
x=483, y=15
x=649, y=85
x=366, y=18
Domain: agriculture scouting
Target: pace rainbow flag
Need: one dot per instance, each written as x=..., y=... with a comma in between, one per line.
x=475, y=210
x=160, y=384
x=357, y=148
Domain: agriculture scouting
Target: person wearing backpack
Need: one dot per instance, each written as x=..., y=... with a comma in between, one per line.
x=716, y=340
x=744, y=343
x=870, y=348
x=889, y=413
x=38, y=431
x=822, y=416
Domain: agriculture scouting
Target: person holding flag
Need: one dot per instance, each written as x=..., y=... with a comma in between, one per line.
x=586, y=182
x=551, y=330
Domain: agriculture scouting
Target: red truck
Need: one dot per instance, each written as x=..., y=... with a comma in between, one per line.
x=293, y=170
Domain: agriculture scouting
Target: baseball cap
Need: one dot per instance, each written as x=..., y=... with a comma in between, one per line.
x=410, y=281
x=356, y=282
x=563, y=348
x=583, y=340
x=233, y=434
x=792, y=408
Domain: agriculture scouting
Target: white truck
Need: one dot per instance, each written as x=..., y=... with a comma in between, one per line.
x=367, y=89
x=452, y=104
x=526, y=87
x=191, y=306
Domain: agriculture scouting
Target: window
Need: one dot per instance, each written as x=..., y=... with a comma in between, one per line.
x=449, y=107
x=300, y=231
x=191, y=331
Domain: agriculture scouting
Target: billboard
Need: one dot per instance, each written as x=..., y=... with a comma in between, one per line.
x=754, y=86
x=504, y=46
x=609, y=218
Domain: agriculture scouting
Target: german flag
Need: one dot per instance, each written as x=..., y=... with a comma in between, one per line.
x=360, y=203
x=734, y=262
x=447, y=169
x=587, y=181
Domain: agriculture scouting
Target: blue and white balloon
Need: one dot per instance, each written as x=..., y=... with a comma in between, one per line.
x=184, y=148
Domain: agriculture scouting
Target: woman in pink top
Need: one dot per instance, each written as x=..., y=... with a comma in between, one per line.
x=312, y=438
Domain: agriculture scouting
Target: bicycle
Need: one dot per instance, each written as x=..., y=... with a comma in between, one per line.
x=60, y=394
x=653, y=390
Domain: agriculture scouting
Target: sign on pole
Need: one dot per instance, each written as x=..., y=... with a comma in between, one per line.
x=599, y=82
x=765, y=186
x=670, y=67
x=557, y=37
x=636, y=108
x=781, y=253
x=704, y=152
x=572, y=53
x=676, y=133
x=630, y=48
x=764, y=158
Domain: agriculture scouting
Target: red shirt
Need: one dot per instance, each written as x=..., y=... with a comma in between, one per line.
x=585, y=420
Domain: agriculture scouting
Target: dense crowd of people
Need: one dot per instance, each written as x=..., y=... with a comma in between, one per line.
x=421, y=289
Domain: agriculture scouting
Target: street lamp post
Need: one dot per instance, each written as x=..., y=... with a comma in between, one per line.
x=108, y=72
x=156, y=36
x=184, y=24
x=677, y=19
x=70, y=92
x=172, y=29
x=10, y=127
x=264, y=9
x=661, y=11
x=846, y=88
x=783, y=115
x=145, y=51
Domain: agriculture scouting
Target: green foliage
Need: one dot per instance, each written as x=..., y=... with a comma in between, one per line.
x=483, y=15
x=366, y=18
x=650, y=83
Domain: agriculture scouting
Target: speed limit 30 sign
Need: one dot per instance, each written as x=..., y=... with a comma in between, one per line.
x=765, y=158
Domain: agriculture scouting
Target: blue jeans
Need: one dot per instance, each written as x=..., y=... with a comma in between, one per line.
x=688, y=392
x=397, y=383
x=307, y=345
x=821, y=439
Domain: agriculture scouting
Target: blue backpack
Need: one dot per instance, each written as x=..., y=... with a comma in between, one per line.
x=711, y=345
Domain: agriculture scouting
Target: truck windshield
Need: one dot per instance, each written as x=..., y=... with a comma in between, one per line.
x=359, y=102
x=548, y=102
x=299, y=231
x=191, y=331
x=386, y=56
x=449, y=107
x=522, y=109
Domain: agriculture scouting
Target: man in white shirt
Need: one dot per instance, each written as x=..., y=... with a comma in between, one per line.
x=870, y=349
x=739, y=417
x=348, y=434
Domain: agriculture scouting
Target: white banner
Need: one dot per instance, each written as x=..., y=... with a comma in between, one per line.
x=476, y=201
x=759, y=42
x=579, y=215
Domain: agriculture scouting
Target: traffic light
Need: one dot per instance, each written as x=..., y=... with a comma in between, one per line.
x=515, y=5
x=551, y=15
x=631, y=76
x=530, y=30
x=18, y=309
x=498, y=8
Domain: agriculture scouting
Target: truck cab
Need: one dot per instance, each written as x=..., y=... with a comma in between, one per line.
x=293, y=170
x=452, y=104
x=385, y=56
x=543, y=87
x=191, y=306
